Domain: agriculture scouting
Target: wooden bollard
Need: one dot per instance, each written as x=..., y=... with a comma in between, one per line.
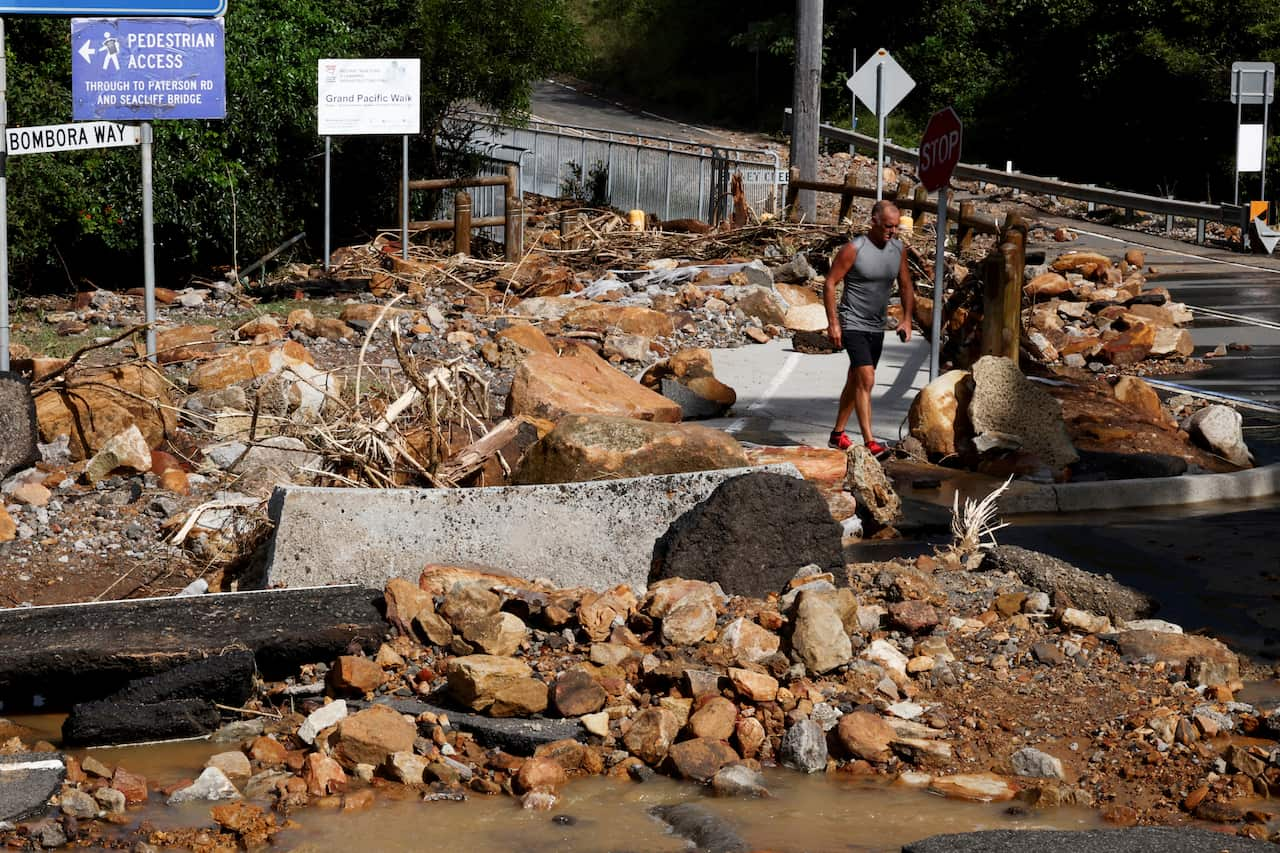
x=793, y=191
x=513, y=222
x=846, y=197
x=462, y=223
x=964, y=227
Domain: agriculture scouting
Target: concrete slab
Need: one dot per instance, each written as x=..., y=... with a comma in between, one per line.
x=27, y=781
x=17, y=424
x=597, y=534
x=1156, y=491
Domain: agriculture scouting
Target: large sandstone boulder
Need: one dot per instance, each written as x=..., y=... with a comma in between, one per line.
x=688, y=378
x=751, y=535
x=370, y=736
x=579, y=382
x=583, y=448
x=939, y=415
x=631, y=319
x=502, y=686
x=762, y=303
x=1202, y=660
x=1008, y=404
x=96, y=405
x=807, y=318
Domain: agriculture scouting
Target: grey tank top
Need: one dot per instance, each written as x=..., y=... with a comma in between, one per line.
x=868, y=284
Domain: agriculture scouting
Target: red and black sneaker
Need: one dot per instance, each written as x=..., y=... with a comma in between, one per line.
x=877, y=449
x=840, y=440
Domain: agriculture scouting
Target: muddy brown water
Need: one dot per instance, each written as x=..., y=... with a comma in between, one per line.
x=806, y=813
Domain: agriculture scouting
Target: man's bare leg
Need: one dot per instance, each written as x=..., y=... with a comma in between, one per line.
x=865, y=380
x=845, y=409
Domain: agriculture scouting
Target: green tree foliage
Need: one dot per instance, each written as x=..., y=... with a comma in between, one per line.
x=1127, y=92
x=77, y=215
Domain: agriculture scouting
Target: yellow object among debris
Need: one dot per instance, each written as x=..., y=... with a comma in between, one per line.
x=636, y=218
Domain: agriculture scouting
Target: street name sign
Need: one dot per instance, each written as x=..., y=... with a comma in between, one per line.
x=143, y=69
x=116, y=8
x=940, y=149
x=70, y=137
x=368, y=96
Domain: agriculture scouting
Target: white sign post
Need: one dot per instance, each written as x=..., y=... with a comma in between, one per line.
x=881, y=84
x=370, y=97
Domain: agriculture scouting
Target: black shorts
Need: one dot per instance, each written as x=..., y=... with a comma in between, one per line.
x=863, y=347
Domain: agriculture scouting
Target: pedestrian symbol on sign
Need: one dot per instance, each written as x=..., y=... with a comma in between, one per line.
x=110, y=47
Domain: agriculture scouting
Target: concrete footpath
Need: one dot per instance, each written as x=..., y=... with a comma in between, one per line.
x=786, y=397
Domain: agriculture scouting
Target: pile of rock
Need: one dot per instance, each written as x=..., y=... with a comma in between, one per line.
x=1087, y=312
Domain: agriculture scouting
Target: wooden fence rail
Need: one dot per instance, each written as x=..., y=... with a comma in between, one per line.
x=512, y=220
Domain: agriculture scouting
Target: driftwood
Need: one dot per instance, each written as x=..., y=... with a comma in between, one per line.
x=469, y=459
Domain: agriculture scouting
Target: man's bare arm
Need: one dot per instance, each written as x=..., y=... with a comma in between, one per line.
x=840, y=267
x=908, y=292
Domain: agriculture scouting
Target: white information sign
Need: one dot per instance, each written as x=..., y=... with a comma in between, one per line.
x=369, y=96
x=881, y=71
x=70, y=137
x=1251, y=143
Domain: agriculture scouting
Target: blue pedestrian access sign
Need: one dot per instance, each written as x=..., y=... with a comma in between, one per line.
x=145, y=69
x=115, y=8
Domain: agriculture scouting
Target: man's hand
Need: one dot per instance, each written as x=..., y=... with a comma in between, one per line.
x=904, y=331
x=833, y=332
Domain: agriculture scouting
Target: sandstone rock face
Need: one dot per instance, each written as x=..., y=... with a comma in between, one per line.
x=369, y=736
x=750, y=535
x=576, y=694
x=1046, y=286
x=865, y=735
x=982, y=787
x=580, y=382
x=939, y=415
x=629, y=319
x=651, y=734
x=1005, y=401
x=819, y=637
x=97, y=405
x=245, y=363
x=878, y=504
x=1205, y=661
x=701, y=758
x=688, y=378
x=185, y=343
x=496, y=684
x=1219, y=429
x=127, y=449
x=585, y=448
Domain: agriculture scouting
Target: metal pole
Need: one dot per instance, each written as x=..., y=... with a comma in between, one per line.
x=404, y=197
x=853, y=104
x=880, y=131
x=666, y=212
x=4, y=217
x=148, y=244
x=939, y=268
x=637, y=194
x=328, y=146
x=1267, y=84
x=1239, y=116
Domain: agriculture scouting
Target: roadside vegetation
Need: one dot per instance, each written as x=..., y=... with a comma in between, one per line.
x=1132, y=93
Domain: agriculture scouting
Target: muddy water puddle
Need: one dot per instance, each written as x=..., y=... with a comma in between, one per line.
x=805, y=813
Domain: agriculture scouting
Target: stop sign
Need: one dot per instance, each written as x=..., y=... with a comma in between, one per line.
x=940, y=149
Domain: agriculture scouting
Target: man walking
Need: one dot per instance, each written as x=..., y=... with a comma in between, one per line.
x=868, y=264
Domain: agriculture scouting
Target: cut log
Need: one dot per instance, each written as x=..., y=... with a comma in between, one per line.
x=78, y=652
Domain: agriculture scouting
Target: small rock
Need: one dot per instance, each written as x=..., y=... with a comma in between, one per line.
x=234, y=764
x=739, y=780
x=321, y=719
x=212, y=784
x=804, y=747
x=1032, y=762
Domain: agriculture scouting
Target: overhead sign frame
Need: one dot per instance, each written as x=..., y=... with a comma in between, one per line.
x=116, y=8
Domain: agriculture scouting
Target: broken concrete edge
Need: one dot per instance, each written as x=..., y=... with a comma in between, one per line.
x=1182, y=490
x=28, y=780
x=47, y=653
x=18, y=448
x=597, y=534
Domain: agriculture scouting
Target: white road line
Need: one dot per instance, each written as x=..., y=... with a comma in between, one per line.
x=1173, y=251
x=47, y=764
x=779, y=378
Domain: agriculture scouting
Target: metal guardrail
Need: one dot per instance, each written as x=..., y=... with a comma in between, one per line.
x=1228, y=214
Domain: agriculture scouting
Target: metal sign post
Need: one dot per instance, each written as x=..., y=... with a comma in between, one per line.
x=881, y=84
x=374, y=97
x=4, y=216
x=939, y=154
x=1252, y=83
